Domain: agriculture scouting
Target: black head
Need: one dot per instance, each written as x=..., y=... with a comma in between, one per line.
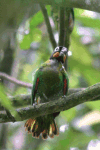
x=59, y=53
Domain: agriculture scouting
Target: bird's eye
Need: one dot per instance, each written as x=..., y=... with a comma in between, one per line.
x=56, y=49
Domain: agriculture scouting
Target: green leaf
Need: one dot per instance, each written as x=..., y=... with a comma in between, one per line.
x=34, y=35
x=81, y=61
x=25, y=43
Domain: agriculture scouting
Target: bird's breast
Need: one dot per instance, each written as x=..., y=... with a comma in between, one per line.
x=50, y=83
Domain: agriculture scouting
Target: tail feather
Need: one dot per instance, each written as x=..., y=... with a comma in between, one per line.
x=35, y=130
x=55, y=129
x=28, y=125
x=51, y=131
x=40, y=125
x=44, y=134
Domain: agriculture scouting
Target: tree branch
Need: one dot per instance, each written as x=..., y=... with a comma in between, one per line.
x=61, y=26
x=91, y=93
x=93, y=5
x=67, y=35
x=23, y=100
x=14, y=80
x=46, y=18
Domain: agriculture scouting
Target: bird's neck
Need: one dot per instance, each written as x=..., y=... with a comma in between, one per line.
x=57, y=61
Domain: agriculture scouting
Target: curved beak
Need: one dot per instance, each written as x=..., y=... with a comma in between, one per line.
x=62, y=54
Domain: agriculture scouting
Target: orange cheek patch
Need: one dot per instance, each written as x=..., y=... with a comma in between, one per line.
x=56, y=54
x=64, y=58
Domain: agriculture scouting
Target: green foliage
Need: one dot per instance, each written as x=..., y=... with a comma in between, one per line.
x=35, y=33
x=85, y=20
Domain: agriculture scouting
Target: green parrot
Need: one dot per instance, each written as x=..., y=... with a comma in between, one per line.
x=50, y=83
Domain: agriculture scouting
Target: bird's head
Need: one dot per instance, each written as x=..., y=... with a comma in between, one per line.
x=59, y=53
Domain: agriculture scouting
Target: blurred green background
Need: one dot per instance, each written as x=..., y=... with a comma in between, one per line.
x=79, y=127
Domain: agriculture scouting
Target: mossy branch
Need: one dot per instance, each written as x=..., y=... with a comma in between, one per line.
x=24, y=100
x=91, y=93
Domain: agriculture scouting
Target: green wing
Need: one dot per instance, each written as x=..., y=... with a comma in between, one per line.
x=37, y=79
x=35, y=86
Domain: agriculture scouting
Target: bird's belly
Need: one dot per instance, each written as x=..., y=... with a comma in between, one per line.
x=50, y=84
